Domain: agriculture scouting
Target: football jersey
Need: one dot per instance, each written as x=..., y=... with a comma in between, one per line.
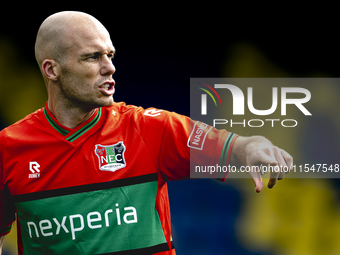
x=100, y=188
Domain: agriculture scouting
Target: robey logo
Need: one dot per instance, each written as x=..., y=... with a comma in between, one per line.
x=152, y=112
x=238, y=106
x=34, y=168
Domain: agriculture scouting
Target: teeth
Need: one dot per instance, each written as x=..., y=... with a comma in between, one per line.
x=106, y=86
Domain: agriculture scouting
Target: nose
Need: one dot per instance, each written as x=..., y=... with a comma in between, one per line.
x=107, y=68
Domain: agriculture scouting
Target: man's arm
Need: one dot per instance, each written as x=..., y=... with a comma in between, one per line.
x=257, y=150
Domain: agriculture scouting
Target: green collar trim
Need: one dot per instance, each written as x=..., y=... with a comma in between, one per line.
x=73, y=134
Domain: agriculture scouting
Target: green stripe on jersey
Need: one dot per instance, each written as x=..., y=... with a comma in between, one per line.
x=77, y=133
x=55, y=125
x=226, y=148
x=224, y=153
x=95, y=222
x=86, y=128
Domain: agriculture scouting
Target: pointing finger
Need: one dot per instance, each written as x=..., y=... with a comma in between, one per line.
x=274, y=174
x=257, y=179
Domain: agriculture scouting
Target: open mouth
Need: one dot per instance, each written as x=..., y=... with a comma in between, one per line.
x=107, y=88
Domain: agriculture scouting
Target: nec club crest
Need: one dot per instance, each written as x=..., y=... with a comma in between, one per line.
x=111, y=157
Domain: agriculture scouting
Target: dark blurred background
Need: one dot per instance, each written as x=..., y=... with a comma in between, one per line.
x=158, y=48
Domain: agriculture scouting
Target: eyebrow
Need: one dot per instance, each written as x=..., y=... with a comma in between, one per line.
x=97, y=53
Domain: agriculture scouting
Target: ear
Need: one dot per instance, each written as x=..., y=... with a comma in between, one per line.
x=50, y=69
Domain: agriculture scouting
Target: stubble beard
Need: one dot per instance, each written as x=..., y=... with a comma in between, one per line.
x=73, y=93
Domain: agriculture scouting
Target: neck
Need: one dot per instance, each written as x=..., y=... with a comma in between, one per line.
x=70, y=117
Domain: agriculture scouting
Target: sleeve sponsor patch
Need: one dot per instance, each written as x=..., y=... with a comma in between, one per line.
x=198, y=135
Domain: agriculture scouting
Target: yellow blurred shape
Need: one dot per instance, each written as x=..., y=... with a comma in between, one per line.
x=22, y=89
x=298, y=216
x=10, y=243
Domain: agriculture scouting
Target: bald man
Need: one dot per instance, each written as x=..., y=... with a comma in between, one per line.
x=71, y=49
x=86, y=175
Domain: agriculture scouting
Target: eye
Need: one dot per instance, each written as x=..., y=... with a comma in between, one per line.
x=92, y=57
x=110, y=56
x=95, y=57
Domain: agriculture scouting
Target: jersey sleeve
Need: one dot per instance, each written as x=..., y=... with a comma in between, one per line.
x=188, y=144
x=7, y=207
x=179, y=144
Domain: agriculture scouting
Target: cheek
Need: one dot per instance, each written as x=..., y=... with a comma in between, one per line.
x=88, y=76
x=78, y=78
x=70, y=84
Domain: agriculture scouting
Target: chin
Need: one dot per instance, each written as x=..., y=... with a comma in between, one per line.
x=107, y=102
x=89, y=105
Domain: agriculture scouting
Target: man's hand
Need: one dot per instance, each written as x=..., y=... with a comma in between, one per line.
x=257, y=151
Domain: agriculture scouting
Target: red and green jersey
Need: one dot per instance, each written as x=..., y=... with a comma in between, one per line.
x=100, y=188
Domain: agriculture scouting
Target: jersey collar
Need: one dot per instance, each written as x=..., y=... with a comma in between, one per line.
x=69, y=134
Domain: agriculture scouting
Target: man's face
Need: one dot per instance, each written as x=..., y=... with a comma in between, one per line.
x=87, y=69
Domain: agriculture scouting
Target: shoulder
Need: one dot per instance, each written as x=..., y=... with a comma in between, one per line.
x=146, y=119
x=137, y=113
x=22, y=126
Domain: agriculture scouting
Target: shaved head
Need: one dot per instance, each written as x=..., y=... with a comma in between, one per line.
x=75, y=52
x=62, y=31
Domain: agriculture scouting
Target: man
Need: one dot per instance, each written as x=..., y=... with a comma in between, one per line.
x=86, y=175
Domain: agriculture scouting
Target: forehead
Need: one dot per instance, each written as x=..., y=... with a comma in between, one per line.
x=89, y=39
